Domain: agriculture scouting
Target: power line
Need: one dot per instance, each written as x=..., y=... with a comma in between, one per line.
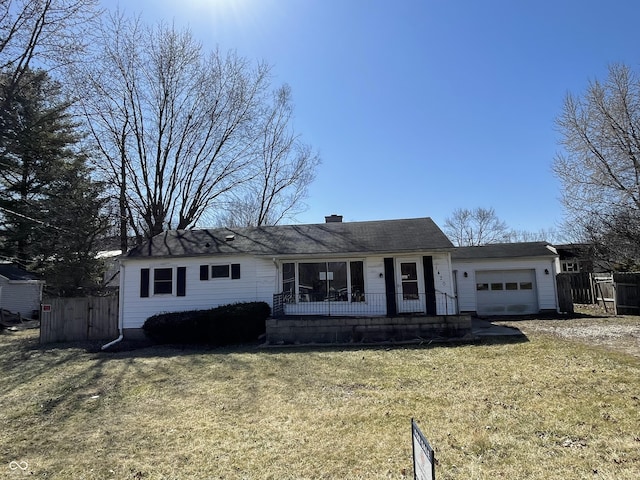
x=11, y=212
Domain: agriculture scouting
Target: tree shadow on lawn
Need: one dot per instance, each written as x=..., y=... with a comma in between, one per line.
x=56, y=379
x=64, y=382
x=60, y=353
x=147, y=349
x=581, y=313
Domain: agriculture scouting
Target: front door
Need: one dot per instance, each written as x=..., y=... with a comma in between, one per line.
x=410, y=285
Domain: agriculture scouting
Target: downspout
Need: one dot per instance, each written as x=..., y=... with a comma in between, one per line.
x=275, y=262
x=120, y=310
x=555, y=284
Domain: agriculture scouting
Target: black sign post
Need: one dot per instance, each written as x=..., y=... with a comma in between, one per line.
x=424, y=467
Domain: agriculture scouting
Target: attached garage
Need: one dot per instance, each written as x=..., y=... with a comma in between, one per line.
x=506, y=279
x=501, y=292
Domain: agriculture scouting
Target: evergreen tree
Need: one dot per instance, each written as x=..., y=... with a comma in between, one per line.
x=50, y=209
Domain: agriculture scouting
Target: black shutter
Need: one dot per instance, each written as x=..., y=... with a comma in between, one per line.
x=390, y=287
x=204, y=272
x=181, y=288
x=235, y=270
x=429, y=285
x=144, y=282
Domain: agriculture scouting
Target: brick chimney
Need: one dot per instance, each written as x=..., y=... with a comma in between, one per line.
x=333, y=218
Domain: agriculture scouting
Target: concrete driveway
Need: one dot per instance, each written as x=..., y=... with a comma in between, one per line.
x=484, y=328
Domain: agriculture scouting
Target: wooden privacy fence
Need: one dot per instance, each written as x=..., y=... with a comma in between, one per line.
x=627, y=288
x=581, y=287
x=565, y=297
x=78, y=319
x=618, y=293
x=604, y=290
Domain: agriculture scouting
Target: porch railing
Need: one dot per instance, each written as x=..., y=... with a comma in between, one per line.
x=374, y=304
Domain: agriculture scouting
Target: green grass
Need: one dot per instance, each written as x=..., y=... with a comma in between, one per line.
x=548, y=408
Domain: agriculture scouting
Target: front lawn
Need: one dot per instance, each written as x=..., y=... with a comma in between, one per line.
x=547, y=408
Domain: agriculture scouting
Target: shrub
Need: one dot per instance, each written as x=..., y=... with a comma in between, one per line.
x=224, y=325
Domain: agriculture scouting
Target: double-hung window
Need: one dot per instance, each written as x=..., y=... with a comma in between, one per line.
x=160, y=281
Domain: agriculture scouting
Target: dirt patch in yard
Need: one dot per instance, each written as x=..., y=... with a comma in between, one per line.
x=593, y=326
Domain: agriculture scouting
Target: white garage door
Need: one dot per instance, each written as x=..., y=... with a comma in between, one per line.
x=506, y=292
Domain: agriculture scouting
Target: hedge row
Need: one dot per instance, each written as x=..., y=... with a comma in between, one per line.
x=224, y=325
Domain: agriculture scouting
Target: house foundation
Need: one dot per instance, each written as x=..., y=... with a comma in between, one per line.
x=308, y=329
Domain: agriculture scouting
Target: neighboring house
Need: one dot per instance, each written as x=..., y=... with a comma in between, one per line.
x=581, y=258
x=396, y=271
x=109, y=259
x=20, y=291
x=506, y=279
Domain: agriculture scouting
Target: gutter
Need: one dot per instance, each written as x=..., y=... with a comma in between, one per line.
x=120, y=311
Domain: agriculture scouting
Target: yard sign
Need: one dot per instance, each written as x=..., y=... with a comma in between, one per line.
x=423, y=459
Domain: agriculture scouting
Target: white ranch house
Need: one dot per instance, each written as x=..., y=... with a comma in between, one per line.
x=330, y=282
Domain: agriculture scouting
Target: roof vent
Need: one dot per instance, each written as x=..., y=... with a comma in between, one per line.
x=230, y=238
x=333, y=218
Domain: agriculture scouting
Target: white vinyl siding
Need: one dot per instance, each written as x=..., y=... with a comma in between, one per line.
x=260, y=278
x=256, y=283
x=20, y=297
x=443, y=282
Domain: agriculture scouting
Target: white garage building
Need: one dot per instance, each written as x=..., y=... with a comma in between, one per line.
x=506, y=279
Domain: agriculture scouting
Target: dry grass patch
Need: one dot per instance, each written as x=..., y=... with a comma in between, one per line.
x=619, y=333
x=547, y=408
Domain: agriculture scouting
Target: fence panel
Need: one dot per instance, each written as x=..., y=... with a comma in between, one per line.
x=627, y=293
x=605, y=291
x=79, y=319
x=565, y=293
x=581, y=287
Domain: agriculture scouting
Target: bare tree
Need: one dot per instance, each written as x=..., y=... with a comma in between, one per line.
x=170, y=123
x=469, y=228
x=179, y=131
x=281, y=172
x=600, y=165
x=47, y=32
x=550, y=235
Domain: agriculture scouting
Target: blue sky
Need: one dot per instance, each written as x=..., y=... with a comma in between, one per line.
x=419, y=107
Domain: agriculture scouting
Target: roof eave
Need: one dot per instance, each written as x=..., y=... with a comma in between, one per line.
x=357, y=253
x=506, y=257
x=353, y=253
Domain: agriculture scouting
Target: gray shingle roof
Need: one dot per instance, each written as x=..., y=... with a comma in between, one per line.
x=504, y=250
x=11, y=271
x=409, y=235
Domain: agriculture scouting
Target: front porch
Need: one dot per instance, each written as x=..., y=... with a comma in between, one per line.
x=337, y=329
x=360, y=317
x=364, y=304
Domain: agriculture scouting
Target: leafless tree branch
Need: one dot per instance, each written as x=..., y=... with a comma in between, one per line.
x=471, y=228
x=182, y=132
x=599, y=167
